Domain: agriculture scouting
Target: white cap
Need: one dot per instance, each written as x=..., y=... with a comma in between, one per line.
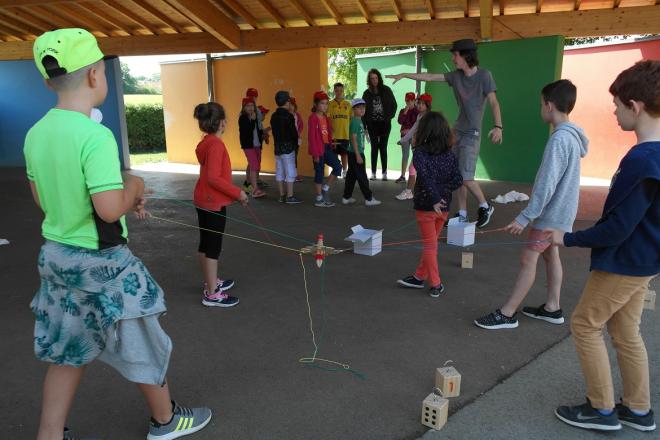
x=357, y=101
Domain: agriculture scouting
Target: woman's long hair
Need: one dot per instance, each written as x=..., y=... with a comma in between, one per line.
x=380, y=79
x=434, y=134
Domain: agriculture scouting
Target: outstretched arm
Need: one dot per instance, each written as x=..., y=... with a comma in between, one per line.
x=417, y=76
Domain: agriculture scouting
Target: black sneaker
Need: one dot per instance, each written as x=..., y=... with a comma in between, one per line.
x=496, y=320
x=541, y=313
x=435, y=292
x=293, y=200
x=282, y=199
x=484, y=216
x=585, y=416
x=412, y=282
x=629, y=418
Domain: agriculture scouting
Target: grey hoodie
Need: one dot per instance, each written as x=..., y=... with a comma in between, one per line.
x=554, y=200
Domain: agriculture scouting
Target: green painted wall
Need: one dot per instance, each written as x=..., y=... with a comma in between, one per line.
x=521, y=68
x=388, y=64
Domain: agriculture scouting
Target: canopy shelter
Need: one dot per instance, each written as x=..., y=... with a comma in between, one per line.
x=143, y=27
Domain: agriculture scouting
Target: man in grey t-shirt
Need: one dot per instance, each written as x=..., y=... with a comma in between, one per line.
x=472, y=88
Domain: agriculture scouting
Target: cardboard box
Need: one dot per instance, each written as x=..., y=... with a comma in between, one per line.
x=366, y=241
x=460, y=233
x=649, y=300
x=435, y=410
x=448, y=381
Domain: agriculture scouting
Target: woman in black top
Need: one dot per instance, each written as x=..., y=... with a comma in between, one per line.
x=381, y=108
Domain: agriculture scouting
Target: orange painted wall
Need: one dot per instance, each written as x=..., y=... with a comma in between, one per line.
x=184, y=86
x=301, y=72
x=593, y=70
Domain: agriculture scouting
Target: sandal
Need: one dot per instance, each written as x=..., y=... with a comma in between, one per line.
x=258, y=193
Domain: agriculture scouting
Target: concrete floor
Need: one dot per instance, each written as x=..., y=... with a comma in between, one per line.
x=242, y=362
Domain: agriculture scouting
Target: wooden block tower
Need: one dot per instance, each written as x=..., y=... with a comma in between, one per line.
x=435, y=410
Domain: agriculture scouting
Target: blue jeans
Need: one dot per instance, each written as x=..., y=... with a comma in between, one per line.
x=329, y=158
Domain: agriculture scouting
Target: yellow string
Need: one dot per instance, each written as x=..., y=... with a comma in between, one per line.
x=313, y=359
x=224, y=233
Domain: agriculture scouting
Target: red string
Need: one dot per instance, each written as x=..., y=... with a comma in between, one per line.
x=442, y=236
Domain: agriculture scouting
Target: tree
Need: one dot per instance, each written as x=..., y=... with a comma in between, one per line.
x=133, y=85
x=343, y=65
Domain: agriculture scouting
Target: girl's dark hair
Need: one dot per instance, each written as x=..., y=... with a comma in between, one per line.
x=316, y=101
x=209, y=116
x=380, y=79
x=470, y=57
x=434, y=134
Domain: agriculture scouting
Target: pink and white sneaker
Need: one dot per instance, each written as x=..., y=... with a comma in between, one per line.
x=219, y=299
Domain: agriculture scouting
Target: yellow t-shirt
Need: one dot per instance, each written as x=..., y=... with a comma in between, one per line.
x=340, y=116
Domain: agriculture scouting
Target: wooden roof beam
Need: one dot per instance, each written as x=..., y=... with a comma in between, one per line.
x=160, y=16
x=333, y=11
x=466, y=11
x=617, y=3
x=132, y=16
x=243, y=13
x=486, y=19
x=209, y=18
x=43, y=14
x=430, y=8
x=539, y=5
x=24, y=17
x=10, y=23
x=365, y=11
x=308, y=18
x=102, y=15
x=502, y=4
x=73, y=17
x=577, y=5
x=397, y=10
x=281, y=22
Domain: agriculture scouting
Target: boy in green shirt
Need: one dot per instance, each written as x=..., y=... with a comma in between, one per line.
x=96, y=300
x=356, y=168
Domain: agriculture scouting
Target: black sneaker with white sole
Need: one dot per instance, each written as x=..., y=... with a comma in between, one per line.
x=541, y=313
x=484, y=216
x=641, y=423
x=496, y=321
x=435, y=292
x=587, y=417
x=411, y=282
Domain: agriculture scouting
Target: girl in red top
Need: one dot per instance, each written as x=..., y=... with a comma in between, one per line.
x=319, y=134
x=407, y=118
x=213, y=192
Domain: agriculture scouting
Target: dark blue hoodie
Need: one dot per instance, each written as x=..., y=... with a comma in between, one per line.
x=626, y=240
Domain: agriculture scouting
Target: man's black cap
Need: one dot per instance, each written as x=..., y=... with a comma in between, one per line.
x=461, y=45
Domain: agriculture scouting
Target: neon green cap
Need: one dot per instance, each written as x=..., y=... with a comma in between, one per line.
x=72, y=48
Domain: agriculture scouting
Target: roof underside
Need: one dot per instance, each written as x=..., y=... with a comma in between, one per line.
x=143, y=27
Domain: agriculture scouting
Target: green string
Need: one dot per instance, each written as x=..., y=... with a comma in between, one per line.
x=282, y=234
x=402, y=227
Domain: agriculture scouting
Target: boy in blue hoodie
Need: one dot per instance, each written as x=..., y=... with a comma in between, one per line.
x=625, y=256
x=553, y=205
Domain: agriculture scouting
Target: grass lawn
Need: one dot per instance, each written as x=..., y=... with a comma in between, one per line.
x=143, y=99
x=140, y=158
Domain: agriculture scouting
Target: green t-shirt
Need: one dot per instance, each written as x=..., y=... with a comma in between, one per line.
x=356, y=127
x=69, y=157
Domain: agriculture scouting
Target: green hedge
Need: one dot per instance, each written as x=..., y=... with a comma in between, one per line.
x=146, y=128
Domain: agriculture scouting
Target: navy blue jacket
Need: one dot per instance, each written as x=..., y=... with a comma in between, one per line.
x=626, y=240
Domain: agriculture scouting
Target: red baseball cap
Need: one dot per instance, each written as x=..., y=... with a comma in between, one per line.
x=410, y=96
x=248, y=100
x=428, y=99
x=252, y=93
x=320, y=95
x=263, y=110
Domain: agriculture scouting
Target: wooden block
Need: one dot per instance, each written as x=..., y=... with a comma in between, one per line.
x=434, y=411
x=448, y=380
x=649, y=300
x=467, y=260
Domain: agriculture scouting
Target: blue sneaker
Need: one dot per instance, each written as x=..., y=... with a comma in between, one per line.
x=220, y=284
x=587, y=417
x=185, y=421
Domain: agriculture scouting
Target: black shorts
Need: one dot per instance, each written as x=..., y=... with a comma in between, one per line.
x=341, y=146
x=210, y=243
